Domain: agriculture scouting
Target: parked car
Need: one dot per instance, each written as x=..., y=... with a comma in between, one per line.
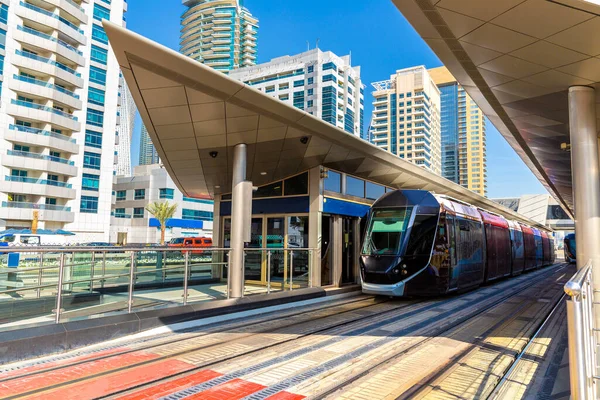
x=193, y=242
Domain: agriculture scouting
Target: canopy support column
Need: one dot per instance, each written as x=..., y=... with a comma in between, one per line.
x=238, y=218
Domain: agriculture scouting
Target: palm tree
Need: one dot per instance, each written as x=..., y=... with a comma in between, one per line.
x=162, y=211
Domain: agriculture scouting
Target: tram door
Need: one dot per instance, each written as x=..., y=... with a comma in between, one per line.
x=454, y=269
x=348, y=250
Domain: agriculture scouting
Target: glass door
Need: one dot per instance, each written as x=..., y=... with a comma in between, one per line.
x=254, y=258
x=275, y=233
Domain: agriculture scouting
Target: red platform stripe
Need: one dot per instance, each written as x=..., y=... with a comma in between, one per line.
x=59, y=363
x=286, y=396
x=232, y=390
x=109, y=384
x=173, y=386
x=45, y=379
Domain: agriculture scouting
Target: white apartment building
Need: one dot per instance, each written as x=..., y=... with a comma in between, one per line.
x=131, y=223
x=406, y=117
x=318, y=82
x=58, y=114
x=126, y=112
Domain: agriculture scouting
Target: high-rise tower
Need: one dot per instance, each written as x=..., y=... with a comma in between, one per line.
x=126, y=111
x=148, y=154
x=221, y=34
x=406, y=117
x=463, y=134
x=58, y=119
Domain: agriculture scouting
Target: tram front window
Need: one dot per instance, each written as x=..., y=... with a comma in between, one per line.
x=386, y=230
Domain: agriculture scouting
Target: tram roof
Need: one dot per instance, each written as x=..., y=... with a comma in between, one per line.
x=517, y=59
x=191, y=110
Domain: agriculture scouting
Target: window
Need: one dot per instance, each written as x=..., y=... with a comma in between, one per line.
x=138, y=212
x=333, y=182
x=299, y=83
x=90, y=182
x=196, y=215
x=121, y=195
x=374, y=191
x=199, y=201
x=296, y=185
x=329, y=78
x=89, y=205
x=18, y=172
x=99, y=34
x=96, y=96
x=166, y=193
x=4, y=13
x=99, y=54
x=272, y=190
x=284, y=97
x=120, y=213
x=311, y=80
x=355, y=186
x=93, y=139
x=51, y=201
x=97, y=75
x=140, y=194
x=101, y=13
x=309, y=103
x=311, y=69
x=328, y=66
x=95, y=117
x=91, y=160
x=283, y=86
x=270, y=89
x=310, y=92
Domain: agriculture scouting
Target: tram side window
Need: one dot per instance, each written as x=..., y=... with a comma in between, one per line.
x=422, y=235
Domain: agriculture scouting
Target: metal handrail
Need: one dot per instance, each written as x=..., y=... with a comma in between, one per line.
x=583, y=361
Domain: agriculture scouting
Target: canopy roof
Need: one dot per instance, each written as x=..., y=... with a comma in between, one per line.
x=196, y=115
x=517, y=59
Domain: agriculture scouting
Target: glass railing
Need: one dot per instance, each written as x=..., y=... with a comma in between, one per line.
x=45, y=84
x=37, y=131
x=47, y=61
x=124, y=216
x=34, y=206
x=24, y=179
x=36, y=106
x=48, y=37
x=37, y=156
x=75, y=279
x=52, y=15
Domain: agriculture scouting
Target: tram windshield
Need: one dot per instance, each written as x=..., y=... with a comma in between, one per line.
x=386, y=230
x=571, y=244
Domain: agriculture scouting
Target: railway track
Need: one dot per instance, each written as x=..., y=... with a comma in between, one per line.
x=316, y=351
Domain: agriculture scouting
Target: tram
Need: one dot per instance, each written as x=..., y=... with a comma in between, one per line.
x=420, y=244
x=570, y=248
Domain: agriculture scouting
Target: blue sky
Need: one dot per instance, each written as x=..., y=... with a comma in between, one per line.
x=374, y=32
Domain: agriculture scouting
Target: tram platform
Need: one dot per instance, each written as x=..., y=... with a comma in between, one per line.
x=351, y=346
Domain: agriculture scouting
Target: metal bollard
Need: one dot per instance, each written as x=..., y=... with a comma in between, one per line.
x=269, y=272
x=131, y=282
x=291, y=270
x=185, y=277
x=61, y=270
x=103, y=268
x=40, y=272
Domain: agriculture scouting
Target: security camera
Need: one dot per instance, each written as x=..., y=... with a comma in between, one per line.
x=304, y=139
x=214, y=154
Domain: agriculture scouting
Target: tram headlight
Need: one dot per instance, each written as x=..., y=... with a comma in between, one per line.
x=404, y=272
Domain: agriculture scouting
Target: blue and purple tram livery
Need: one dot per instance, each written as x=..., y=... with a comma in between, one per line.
x=420, y=244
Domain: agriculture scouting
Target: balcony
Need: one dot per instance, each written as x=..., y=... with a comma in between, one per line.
x=37, y=187
x=39, y=88
x=38, y=112
x=38, y=162
x=47, y=66
x=71, y=8
x=42, y=16
x=41, y=138
x=46, y=42
x=12, y=210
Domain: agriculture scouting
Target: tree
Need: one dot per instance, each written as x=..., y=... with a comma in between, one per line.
x=162, y=211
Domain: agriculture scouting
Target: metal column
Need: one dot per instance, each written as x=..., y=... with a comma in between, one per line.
x=236, y=263
x=586, y=177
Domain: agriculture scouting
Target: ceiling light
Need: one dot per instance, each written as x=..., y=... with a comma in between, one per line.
x=263, y=173
x=217, y=187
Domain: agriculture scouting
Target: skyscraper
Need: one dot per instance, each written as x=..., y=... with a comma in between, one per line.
x=127, y=111
x=221, y=34
x=463, y=134
x=319, y=82
x=148, y=154
x=406, y=117
x=60, y=81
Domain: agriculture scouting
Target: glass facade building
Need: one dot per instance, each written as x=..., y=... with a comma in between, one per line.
x=148, y=154
x=221, y=34
x=463, y=134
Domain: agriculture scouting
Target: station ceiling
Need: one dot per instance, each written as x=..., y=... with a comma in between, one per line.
x=517, y=59
x=196, y=115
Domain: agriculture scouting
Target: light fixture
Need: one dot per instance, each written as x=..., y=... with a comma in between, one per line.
x=263, y=173
x=217, y=187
